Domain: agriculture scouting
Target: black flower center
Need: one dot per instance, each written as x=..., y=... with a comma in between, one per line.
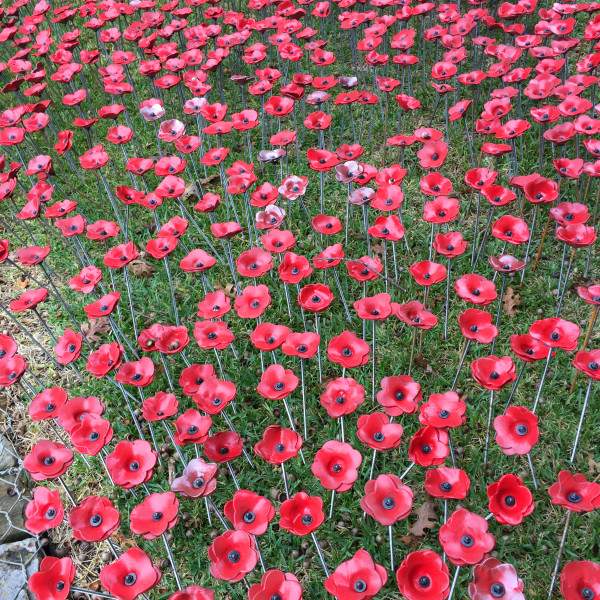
x=444, y=414
x=249, y=517
x=50, y=513
x=467, y=541
x=497, y=590
x=157, y=516
x=446, y=486
x=279, y=386
x=587, y=593
x=347, y=352
x=49, y=461
x=510, y=501
x=494, y=375
x=130, y=579
x=234, y=556
x=198, y=482
x=134, y=466
x=574, y=498
x=389, y=503
x=336, y=468
x=521, y=429
x=424, y=581
x=360, y=586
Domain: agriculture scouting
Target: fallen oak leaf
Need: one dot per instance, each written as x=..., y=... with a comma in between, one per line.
x=22, y=283
x=426, y=519
x=94, y=328
x=228, y=289
x=141, y=268
x=510, y=302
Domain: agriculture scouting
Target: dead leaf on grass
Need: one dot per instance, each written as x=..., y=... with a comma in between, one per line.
x=510, y=302
x=141, y=268
x=426, y=519
x=92, y=329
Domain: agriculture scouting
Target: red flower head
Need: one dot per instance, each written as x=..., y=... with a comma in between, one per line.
x=155, y=515
x=193, y=592
x=423, y=575
x=68, y=348
x=249, y=512
x=588, y=363
x=45, y=511
x=315, y=297
x=527, y=348
x=493, y=373
x=11, y=370
x=359, y=578
x=432, y=154
x=223, y=446
x=476, y=289
x=388, y=198
x=53, y=580
x=479, y=178
x=348, y=350
x=28, y=300
x=197, y=261
x=493, y=579
x=303, y=345
x=213, y=395
x=342, y=397
x=556, y=333
x=510, y=229
x=91, y=434
x=87, y=279
x=48, y=460
x=576, y=236
x=268, y=337
x=199, y=479
x=130, y=575
x=443, y=411
x=376, y=307
x=450, y=244
x=447, y=483
x=580, y=579
x=435, y=184
x=510, y=500
x=399, y=394
x=590, y=294
x=476, y=325
x=191, y=428
x=517, y=430
x=278, y=445
x=252, y=302
x=139, y=373
x=414, y=314
x=293, y=268
x=278, y=584
x=232, y=555
x=377, y=432
x=94, y=519
x=120, y=255
x=575, y=492
x=159, y=407
x=254, y=262
x=212, y=334
x=47, y=403
x=387, y=499
x=429, y=446
x=277, y=382
x=336, y=465
x=131, y=463
x=301, y=514
x=465, y=538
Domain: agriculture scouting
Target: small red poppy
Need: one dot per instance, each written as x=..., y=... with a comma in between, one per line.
x=130, y=575
x=510, y=500
x=94, y=519
x=465, y=538
x=199, y=479
x=575, y=492
x=447, y=483
x=336, y=465
x=278, y=444
x=131, y=463
x=387, y=499
x=517, y=430
x=232, y=555
x=359, y=578
x=249, y=512
x=423, y=575
x=44, y=512
x=348, y=350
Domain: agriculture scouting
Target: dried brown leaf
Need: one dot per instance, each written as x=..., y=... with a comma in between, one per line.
x=94, y=328
x=593, y=465
x=22, y=283
x=228, y=289
x=510, y=302
x=426, y=518
x=141, y=268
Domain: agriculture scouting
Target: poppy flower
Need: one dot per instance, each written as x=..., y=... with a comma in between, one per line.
x=376, y=307
x=94, y=519
x=432, y=154
x=493, y=579
x=301, y=514
x=12, y=369
x=131, y=463
x=435, y=184
x=359, y=578
x=199, y=479
x=510, y=229
x=276, y=583
x=399, y=394
x=510, y=500
x=580, y=579
x=577, y=235
x=342, y=397
x=44, y=512
x=517, y=430
x=212, y=335
x=223, y=446
x=387, y=499
x=53, y=580
x=193, y=592
x=47, y=403
x=476, y=289
x=276, y=382
x=139, y=373
x=590, y=294
x=423, y=575
x=575, y=492
x=588, y=363
x=465, y=538
x=91, y=434
x=278, y=444
x=387, y=198
x=212, y=396
x=28, y=300
x=48, y=460
x=429, y=446
x=268, y=337
x=249, y=512
x=443, y=411
x=493, y=373
x=348, y=350
x=293, y=187
x=447, y=483
x=232, y=555
x=156, y=514
x=254, y=262
x=377, y=432
x=130, y=575
x=252, y=302
x=414, y=314
x=556, y=333
x=476, y=325
x=336, y=465
x=191, y=428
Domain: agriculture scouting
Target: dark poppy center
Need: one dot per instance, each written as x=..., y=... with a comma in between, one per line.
x=224, y=450
x=49, y=461
x=295, y=270
x=521, y=429
x=494, y=375
x=347, y=352
x=497, y=590
x=388, y=503
x=50, y=407
x=467, y=541
x=249, y=517
x=360, y=586
x=510, y=501
x=424, y=581
x=593, y=366
x=444, y=414
x=426, y=449
x=94, y=436
x=198, y=482
x=157, y=516
x=574, y=498
x=130, y=579
x=446, y=486
x=60, y=586
x=400, y=396
x=378, y=437
x=587, y=593
x=336, y=468
x=276, y=597
x=554, y=336
x=279, y=386
x=50, y=513
x=234, y=556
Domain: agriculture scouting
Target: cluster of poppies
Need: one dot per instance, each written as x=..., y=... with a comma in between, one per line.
x=329, y=109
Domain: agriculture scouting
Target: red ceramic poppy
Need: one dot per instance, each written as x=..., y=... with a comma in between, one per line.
x=212, y=335
x=276, y=583
x=414, y=314
x=580, y=579
x=249, y=512
x=492, y=579
x=556, y=333
x=278, y=444
x=301, y=514
x=476, y=325
x=359, y=578
x=575, y=492
x=199, y=479
x=588, y=363
x=510, y=500
x=336, y=465
x=443, y=411
x=377, y=432
x=91, y=434
x=423, y=575
x=94, y=519
x=492, y=372
x=28, y=300
x=193, y=592
x=510, y=229
x=130, y=575
x=155, y=515
x=213, y=395
x=517, y=430
x=590, y=294
x=399, y=394
x=476, y=289
x=131, y=463
x=348, y=350
x=53, y=580
x=342, y=397
x=387, y=499
x=44, y=512
x=48, y=460
x=268, y=337
x=276, y=382
x=429, y=446
x=232, y=555
x=447, y=483
x=465, y=538
x=191, y=428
